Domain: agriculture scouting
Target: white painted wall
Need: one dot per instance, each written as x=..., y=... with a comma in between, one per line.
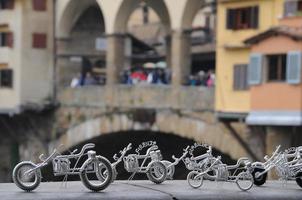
x=32, y=68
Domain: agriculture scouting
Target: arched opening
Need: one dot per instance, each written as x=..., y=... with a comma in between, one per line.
x=169, y=144
x=199, y=20
x=81, y=46
x=146, y=26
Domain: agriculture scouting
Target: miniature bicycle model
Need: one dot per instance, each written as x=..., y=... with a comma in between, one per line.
x=150, y=163
x=27, y=175
x=171, y=166
x=288, y=165
x=242, y=176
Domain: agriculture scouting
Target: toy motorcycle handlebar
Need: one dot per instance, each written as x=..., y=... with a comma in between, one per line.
x=74, y=152
x=185, y=152
x=129, y=147
x=123, y=152
x=85, y=147
x=268, y=159
x=276, y=151
x=115, y=157
x=50, y=157
x=152, y=148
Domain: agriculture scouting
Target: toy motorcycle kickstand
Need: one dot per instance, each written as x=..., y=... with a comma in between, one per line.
x=155, y=170
x=27, y=175
x=241, y=176
x=288, y=166
x=171, y=166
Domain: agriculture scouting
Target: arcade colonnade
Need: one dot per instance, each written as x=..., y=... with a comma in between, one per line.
x=176, y=17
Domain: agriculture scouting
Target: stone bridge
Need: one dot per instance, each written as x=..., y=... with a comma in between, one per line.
x=90, y=112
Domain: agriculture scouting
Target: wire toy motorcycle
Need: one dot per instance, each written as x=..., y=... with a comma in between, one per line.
x=149, y=163
x=288, y=165
x=171, y=165
x=117, y=160
x=240, y=173
x=27, y=175
x=203, y=161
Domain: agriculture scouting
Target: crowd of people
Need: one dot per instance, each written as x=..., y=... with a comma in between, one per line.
x=202, y=79
x=140, y=75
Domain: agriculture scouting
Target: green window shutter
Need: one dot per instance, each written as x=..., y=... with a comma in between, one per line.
x=293, y=67
x=255, y=69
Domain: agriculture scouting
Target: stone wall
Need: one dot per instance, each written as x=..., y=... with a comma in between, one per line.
x=90, y=112
x=145, y=96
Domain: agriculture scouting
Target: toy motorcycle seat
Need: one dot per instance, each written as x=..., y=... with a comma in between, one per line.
x=201, y=157
x=239, y=162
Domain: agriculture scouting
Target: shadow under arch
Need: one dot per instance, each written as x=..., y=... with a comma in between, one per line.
x=72, y=12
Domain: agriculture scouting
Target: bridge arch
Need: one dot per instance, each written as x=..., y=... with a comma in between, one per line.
x=127, y=7
x=70, y=11
x=190, y=10
x=164, y=122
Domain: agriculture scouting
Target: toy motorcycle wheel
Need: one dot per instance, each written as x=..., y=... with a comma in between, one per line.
x=25, y=177
x=102, y=173
x=170, y=170
x=245, y=181
x=90, y=174
x=114, y=174
x=211, y=174
x=194, y=180
x=299, y=179
x=261, y=179
x=157, y=172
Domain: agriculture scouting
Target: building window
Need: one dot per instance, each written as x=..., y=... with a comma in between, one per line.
x=293, y=8
x=39, y=40
x=6, y=78
x=240, y=77
x=276, y=67
x=7, y=4
x=243, y=18
x=6, y=39
x=39, y=5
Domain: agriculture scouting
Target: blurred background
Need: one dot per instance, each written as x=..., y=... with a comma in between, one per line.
x=222, y=72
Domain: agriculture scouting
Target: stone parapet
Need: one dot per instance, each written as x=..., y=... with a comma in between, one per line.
x=147, y=97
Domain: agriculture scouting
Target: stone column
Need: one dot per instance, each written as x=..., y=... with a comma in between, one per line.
x=277, y=136
x=115, y=58
x=181, y=57
x=115, y=63
x=168, y=51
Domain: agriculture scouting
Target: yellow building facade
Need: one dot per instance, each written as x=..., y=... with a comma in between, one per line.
x=233, y=27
